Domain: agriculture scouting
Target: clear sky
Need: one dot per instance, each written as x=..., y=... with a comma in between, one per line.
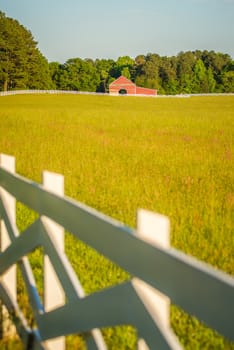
x=111, y=28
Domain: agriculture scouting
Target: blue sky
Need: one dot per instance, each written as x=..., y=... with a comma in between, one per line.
x=111, y=28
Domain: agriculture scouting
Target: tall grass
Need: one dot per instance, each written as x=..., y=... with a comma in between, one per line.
x=173, y=156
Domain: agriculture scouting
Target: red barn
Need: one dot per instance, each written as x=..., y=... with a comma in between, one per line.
x=123, y=86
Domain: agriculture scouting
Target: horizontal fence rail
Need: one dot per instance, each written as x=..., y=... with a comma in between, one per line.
x=161, y=275
x=68, y=92
x=72, y=92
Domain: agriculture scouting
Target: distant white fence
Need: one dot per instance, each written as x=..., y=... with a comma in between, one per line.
x=145, y=253
x=65, y=92
x=68, y=92
x=51, y=92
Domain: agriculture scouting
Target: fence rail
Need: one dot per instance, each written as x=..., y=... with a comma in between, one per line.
x=71, y=92
x=194, y=286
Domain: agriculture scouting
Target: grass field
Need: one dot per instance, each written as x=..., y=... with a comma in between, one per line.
x=174, y=156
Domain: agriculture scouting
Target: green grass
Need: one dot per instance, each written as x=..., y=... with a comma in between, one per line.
x=173, y=156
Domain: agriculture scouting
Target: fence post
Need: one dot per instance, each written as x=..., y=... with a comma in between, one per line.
x=9, y=278
x=53, y=292
x=154, y=229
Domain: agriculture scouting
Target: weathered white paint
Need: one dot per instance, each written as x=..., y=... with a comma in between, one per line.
x=9, y=278
x=154, y=229
x=54, y=296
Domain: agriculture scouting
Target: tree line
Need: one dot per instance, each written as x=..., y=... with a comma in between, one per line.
x=22, y=66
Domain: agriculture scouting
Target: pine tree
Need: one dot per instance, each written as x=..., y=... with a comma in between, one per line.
x=22, y=66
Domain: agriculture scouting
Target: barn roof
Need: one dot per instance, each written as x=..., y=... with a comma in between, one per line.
x=122, y=81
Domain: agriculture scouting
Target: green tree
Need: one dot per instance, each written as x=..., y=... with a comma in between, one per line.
x=210, y=80
x=228, y=81
x=21, y=63
x=80, y=75
x=199, y=83
x=217, y=62
x=149, y=72
x=227, y=78
x=185, y=66
x=55, y=72
x=104, y=68
x=124, y=66
x=138, y=66
x=167, y=73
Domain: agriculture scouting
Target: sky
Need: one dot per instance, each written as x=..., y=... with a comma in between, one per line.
x=67, y=29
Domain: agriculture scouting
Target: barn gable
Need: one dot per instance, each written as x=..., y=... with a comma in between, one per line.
x=122, y=85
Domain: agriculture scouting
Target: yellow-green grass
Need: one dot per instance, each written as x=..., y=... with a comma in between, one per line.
x=170, y=155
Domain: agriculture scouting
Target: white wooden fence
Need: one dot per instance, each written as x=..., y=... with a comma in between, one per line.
x=72, y=92
x=145, y=253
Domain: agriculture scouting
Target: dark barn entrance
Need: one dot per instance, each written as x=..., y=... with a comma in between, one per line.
x=123, y=92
